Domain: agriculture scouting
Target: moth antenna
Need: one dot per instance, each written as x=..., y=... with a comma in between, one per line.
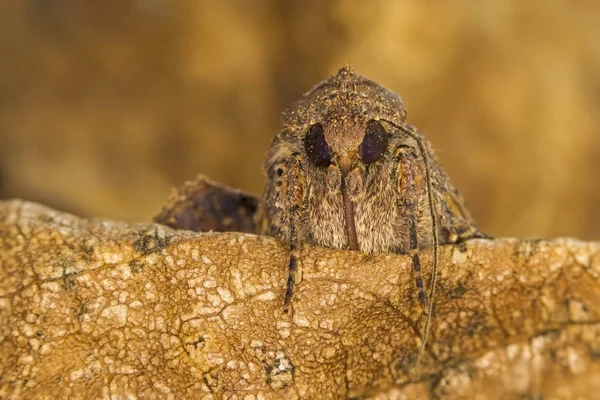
x=434, y=232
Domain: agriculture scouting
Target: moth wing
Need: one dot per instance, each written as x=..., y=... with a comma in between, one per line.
x=456, y=222
x=202, y=205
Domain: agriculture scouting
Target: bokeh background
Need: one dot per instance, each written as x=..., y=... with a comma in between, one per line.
x=105, y=105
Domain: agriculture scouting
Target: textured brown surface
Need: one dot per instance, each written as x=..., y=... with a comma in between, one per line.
x=98, y=308
x=106, y=105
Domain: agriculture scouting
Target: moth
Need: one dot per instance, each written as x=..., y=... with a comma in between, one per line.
x=345, y=171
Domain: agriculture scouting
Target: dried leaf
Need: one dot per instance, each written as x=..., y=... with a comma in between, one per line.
x=99, y=308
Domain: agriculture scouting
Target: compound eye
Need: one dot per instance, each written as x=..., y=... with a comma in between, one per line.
x=316, y=147
x=375, y=143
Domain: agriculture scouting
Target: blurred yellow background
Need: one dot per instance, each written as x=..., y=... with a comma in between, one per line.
x=104, y=106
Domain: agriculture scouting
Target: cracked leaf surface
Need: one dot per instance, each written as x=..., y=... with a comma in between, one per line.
x=96, y=308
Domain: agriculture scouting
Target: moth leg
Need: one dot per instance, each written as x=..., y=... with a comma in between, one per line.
x=416, y=264
x=410, y=186
x=293, y=196
x=293, y=264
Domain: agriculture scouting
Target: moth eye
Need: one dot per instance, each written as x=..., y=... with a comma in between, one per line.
x=375, y=143
x=316, y=147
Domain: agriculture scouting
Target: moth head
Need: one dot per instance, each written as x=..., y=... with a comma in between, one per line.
x=372, y=147
x=342, y=120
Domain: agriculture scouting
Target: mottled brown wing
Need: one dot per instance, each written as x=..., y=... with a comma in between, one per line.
x=456, y=222
x=202, y=205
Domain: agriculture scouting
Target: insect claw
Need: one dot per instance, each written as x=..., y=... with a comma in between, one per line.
x=289, y=290
x=424, y=306
x=287, y=300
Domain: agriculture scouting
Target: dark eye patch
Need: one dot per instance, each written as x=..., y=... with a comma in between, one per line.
x=375, y=142
x=316, y=147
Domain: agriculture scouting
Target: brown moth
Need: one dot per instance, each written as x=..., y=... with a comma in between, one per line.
x=345, y=171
